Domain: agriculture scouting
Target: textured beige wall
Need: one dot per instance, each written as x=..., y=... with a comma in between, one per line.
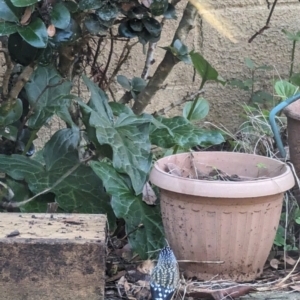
x=243, y=19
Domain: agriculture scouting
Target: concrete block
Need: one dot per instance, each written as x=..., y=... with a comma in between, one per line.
x=58, y=256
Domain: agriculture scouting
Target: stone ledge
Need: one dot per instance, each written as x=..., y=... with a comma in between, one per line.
x=275, y=295
x=56, y=256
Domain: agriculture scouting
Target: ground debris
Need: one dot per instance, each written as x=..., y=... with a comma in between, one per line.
x=13, y=234
x=212, y=174
x=133, y=283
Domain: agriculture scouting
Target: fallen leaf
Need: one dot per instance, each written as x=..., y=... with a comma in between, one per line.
x=148, y=194
x=289, y=260
x=221, y=294
x=123, y=283
x=232, y=292
x=173, y=169
x=146, y=267
x=134, y=276
x=116, y=277
x=274, y=263
x=26, y=16
x=141, y=290
x=295, y=288
x=125, y=252
x=51, y=30
x=13, y=233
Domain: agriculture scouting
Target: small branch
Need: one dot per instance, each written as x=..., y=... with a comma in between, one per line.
x=267, y=26
x=111, y=50
x=188, y=97
x=123, y=58
x=97, y=52
x=150, y=55
x=8, y=71
x=168, y=62
x=31, y=139
x=20, y=83
x=149, y=60
x=125, y=98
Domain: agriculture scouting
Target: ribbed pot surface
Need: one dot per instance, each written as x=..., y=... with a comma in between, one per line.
x=237, y=226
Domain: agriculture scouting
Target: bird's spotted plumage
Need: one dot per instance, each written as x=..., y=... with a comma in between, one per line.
x=165, y=276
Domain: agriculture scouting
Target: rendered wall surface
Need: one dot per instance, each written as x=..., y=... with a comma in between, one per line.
x=242, y=18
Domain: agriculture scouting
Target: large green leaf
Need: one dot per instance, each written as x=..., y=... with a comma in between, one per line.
x=23, y=3
x=22, y=192
x=128, y=136
x=60, y=16
x=35, y=33
x=10, y=112
x=75, y=185
x=285, y=89
x=8, y=12
x=204, y=68
x=184, y=134
x=7, y=28
x=291, y=35
x=20, y=51
x=200, y=111
x=48, y=93
x=143, y=239
x=10, y=132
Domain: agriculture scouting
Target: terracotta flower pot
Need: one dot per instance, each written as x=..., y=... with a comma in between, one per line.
x=233, y=222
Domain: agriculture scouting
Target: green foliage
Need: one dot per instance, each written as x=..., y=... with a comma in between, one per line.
x=184, y=134
x=205, y=69
x=101, y=161
x=128, y=136
x=180, y=51
x=134, y=85
x=285, y=89
x=9, y=12
x=47, y=92
x=292, y=36
x=200, y=111
x=59, y=174
x=60, y=16
x=257, y=97
x=286, y=233
x=133, y=210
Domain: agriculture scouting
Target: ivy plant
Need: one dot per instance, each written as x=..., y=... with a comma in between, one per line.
x=100, y=161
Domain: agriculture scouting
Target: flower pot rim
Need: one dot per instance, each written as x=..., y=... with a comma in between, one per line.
x=223, y=189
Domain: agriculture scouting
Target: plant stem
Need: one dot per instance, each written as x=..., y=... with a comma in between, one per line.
x=292, y=62
x=195, y=101
x=32, y=137
x=169, y=61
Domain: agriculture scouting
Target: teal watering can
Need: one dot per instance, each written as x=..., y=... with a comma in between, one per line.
x=292, y=114
x=292, y=110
